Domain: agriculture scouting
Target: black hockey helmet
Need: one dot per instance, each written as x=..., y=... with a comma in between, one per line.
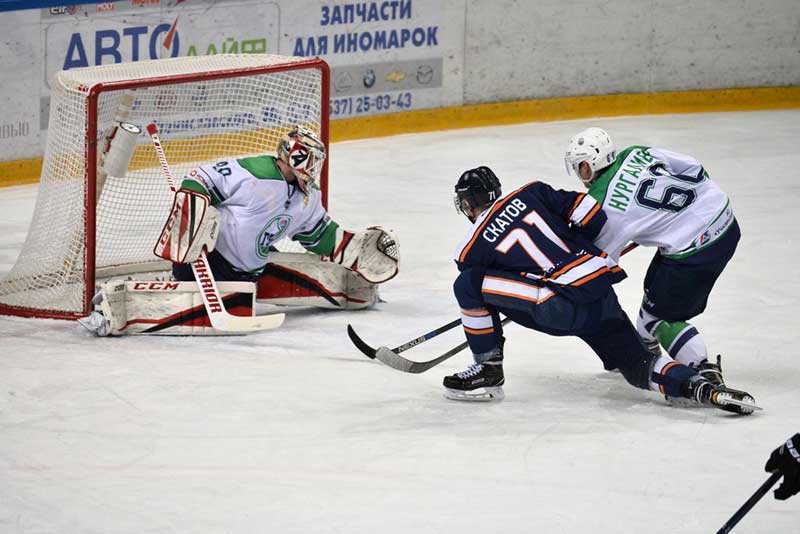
x=476, y=188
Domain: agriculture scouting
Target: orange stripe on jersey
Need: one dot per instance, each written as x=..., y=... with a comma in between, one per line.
x=590, y=276
x=475, y=313
x=517, y=295
x=575, y=205
x=569, y=266
x=478, y=231
x=664, y=373
x=481, y=332
x=589, y=215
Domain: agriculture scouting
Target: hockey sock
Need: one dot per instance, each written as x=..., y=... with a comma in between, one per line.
x=646, y=324
x=482, y=336
x=481, y=325
x=668, y=376
x=681, y=340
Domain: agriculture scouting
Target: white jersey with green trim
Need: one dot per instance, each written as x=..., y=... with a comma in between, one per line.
x=662, y=199
x=258, y=208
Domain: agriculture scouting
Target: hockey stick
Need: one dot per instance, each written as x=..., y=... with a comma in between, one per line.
x=754, y=498
x=630, y=246
x=212, y=300
x=369, y=352
x=392, y=358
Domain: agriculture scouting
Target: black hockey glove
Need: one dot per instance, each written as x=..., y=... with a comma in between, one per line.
x=786, y=460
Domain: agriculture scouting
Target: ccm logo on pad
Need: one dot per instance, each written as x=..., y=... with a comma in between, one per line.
x=155, y=286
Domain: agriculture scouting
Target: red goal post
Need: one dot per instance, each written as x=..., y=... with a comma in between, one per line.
x=90, y=224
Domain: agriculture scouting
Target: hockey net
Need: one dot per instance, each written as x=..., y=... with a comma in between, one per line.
x=87, y=225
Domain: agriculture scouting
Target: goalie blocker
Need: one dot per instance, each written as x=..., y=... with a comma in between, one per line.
x=192, y=225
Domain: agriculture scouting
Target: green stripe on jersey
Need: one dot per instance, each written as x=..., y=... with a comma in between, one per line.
x=321, y=240
x=194, y=185
x=599, y=188
x=694, y=248
x=262, y=167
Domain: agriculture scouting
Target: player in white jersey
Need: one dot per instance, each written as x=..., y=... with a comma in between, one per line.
x=254, y=202
x=235, y=210
x=658, y=198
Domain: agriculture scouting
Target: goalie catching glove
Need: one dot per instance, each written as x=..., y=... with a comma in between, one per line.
x=374, y=253
x=193, y=224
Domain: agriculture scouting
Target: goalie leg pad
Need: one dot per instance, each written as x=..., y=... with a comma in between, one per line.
x=162, y=308
x=304, y=279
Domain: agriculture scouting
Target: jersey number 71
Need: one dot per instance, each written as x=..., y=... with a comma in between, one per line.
x=519, y=235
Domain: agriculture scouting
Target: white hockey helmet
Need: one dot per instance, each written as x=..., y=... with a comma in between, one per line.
x=304, y=152
x=594, y=146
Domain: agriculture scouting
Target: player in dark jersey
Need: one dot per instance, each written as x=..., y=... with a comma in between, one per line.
x=530, y=257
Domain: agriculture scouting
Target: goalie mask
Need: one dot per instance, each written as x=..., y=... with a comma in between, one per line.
x=594, y=146
x=475, y=189
x=304, y=152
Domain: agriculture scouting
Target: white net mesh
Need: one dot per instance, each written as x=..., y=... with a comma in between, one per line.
x=201, y=117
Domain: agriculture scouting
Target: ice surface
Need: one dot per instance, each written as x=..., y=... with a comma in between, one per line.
x=294, y=431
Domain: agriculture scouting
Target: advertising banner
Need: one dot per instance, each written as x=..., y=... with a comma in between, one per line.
x=385, y=56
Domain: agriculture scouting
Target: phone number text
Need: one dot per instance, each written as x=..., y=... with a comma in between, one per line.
x=353, y=105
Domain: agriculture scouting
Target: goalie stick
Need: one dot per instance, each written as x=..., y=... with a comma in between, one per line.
x=392, y=358
x=212, y=300
x=749, y=503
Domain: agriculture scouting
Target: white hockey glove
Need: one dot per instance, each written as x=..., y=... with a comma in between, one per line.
x=374, y=253
x=193, y=224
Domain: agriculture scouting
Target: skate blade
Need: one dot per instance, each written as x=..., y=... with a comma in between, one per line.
x=494, y=394
x=727, y=402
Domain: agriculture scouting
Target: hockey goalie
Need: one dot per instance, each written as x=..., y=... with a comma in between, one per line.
x=236, y=210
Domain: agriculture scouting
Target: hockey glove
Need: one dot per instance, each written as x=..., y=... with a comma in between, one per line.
x=786, y=460
x=374, y=253
x=192, y=225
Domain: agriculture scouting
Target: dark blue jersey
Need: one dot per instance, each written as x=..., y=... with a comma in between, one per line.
x=544, y=235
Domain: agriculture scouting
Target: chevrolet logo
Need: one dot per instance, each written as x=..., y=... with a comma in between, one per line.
x=396, y=76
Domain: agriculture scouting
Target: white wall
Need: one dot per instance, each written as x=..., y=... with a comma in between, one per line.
x=549, y=48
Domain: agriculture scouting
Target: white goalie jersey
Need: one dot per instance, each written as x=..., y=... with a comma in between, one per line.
x=659, y=198
x=257, y=209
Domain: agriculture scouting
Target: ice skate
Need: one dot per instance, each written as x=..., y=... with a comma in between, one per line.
x=479, y=382
x=706, y=393
x=710, y=371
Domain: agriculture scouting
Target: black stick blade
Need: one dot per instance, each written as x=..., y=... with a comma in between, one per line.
x=368, y=351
